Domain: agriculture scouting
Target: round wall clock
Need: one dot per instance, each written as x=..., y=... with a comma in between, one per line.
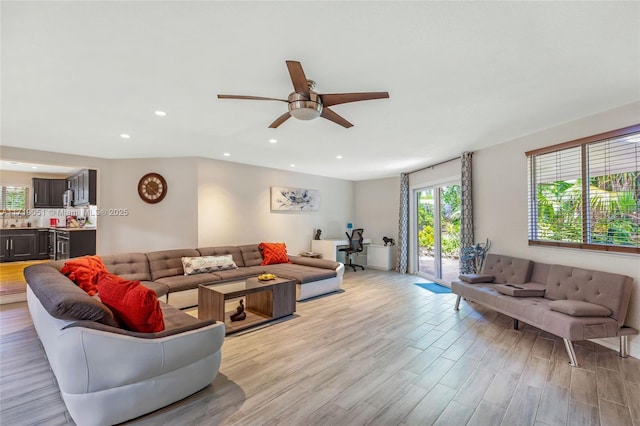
x=152, y=188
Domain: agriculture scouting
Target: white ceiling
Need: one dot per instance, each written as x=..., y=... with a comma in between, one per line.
x=461, y=76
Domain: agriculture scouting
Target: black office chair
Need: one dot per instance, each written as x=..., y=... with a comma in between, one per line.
x=355, y=246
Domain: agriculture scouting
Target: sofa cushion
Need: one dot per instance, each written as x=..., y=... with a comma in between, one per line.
x=251, y=254
x=606, y=289
x=207, y=264
x=273, y=253
x=521, y=290
x=223, y=250
x=159, y=288
x=302, y=274
x=240, y=273
x=167, y=263
x=130, y=266
x=187, y=282
x=476, y=278
x=507, y=269
x=84, y=271
x=135, y=306
x=318, y=263
x=64, y=300
x=578, y=308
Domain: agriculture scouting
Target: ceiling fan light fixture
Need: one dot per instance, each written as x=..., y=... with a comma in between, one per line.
x=305, y=110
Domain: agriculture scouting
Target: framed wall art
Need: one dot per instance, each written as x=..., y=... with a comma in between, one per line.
x=294, y=199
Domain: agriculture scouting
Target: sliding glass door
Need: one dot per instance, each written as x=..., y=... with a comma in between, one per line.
x=438, y=227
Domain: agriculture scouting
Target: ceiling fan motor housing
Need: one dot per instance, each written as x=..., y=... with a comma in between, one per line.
x=305, y=109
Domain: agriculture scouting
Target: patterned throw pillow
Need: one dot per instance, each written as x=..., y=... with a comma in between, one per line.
x=135, y=306
x=273, y=253
x=204, y=264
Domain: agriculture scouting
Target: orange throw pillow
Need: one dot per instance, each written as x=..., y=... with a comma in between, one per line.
x=273, y=253
x=135, y=306
x=84, y=271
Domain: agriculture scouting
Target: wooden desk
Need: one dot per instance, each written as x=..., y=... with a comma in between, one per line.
x=329, y=246
x=265, y=301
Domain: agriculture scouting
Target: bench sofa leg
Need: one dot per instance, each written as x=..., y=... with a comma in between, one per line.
x=573, y=361
x=623, y=347
x=457, y=308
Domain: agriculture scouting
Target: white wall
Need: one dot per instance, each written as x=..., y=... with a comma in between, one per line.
x=376, y=207
x=234, y=206
x=172, y=223
x=500, y=203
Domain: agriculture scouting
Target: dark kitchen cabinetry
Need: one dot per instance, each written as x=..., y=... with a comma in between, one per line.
x=48, y=193
x=42, y=243
x=83, y=185
x=17, y=245
x=24, y=244
x=74, y=243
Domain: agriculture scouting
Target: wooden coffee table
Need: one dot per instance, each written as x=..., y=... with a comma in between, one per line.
x=264, y=301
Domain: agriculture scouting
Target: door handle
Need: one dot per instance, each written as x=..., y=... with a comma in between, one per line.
x=36, y=196
x=7, y=245
x=11, y=240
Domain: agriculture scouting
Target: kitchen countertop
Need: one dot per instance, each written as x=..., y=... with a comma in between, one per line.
x=73, y=229
x=24, y=228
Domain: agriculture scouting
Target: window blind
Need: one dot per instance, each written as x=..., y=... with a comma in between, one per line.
x=587, y=194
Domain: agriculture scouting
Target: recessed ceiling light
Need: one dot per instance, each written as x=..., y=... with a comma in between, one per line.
x=339, y=157
x=273, y=141
x=125, y=136
x=227, y=154
x=292, y=165
x=34, y=167
x=160, y=113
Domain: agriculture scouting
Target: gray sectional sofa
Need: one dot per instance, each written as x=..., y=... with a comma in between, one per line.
x=572, y=303
x=108, y=375
x=162, y=271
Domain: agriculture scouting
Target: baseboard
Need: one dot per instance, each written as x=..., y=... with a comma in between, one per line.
x=614, y=343
x=12, y=298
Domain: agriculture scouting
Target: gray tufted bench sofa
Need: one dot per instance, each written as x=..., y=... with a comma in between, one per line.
x=572, y=303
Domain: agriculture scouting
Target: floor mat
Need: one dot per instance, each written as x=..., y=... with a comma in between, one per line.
x=434, y=288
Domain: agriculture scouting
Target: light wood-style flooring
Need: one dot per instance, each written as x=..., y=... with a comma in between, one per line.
x=382, y=352
x=13, y=287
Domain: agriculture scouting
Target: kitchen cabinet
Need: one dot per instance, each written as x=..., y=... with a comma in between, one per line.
x=42, y=244
x=74, y=243
x=47, y=193
x=83, y=184
x=17, y=245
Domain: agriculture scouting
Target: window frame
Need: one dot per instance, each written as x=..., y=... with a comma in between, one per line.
x=3, y=200
x=532, y=208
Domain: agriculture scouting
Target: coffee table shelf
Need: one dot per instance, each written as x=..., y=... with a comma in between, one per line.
x=264, y=301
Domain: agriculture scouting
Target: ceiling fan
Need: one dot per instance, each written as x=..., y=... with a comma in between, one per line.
x=306, y=104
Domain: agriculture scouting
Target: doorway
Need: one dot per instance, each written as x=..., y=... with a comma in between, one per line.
x=438, y=212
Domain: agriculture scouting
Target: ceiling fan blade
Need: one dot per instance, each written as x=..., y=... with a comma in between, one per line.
x=284, y=117
x=299, y=80
x=330, y=115
x=343, y=98
x=251, y=98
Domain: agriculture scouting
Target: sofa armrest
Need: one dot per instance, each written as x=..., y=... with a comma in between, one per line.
x=317, y=263
x=476, y=278
x=94, y=360
x=165, y=333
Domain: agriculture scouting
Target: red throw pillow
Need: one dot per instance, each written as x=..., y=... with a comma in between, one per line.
x=135, y=306
x=273, y=253
x=84, y=271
